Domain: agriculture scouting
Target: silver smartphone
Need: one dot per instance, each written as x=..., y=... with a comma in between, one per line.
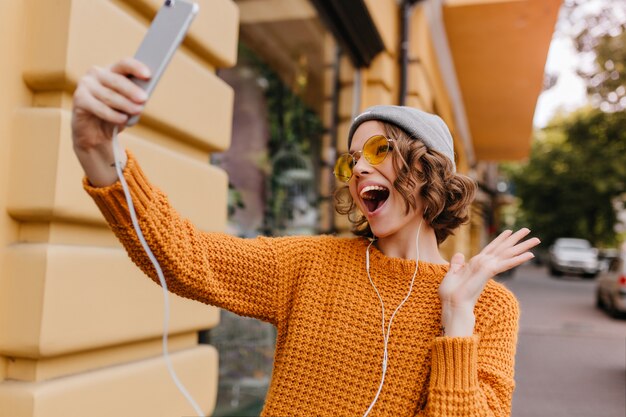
x=165, y=34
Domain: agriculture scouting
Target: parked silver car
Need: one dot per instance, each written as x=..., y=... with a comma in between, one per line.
x=573, y=256
x=611, y=287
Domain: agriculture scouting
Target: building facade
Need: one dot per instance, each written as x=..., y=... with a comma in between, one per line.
x=80, y=328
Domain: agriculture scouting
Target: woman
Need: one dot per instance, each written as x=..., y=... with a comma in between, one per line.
x=382, y=326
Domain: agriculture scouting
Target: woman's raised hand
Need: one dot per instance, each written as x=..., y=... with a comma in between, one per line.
x=464, y=282
x=104, y=98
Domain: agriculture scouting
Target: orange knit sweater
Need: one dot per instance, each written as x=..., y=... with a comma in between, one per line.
x=316, y=292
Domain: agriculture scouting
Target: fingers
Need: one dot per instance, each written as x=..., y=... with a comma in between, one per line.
x=87, y=102
x=506, y=240
x=457, y=262
x=494, y=243
x=522, y=247
x=120, y=84
x=131, y=66
x=506, y=251
x=517, y=236
x=109, y=94
x=514, y=261
x=518, y=253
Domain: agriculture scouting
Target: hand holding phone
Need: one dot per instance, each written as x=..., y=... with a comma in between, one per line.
x=161, y=41
x=108, y=97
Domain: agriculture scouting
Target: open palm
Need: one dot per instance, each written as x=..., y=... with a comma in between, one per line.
x=464, y=282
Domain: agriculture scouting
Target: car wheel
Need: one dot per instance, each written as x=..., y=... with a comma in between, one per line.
x=555, y=272
x=589, y=275
x=614, y=312
x=599, y=302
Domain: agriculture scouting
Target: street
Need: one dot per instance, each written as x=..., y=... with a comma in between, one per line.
x=571, y=357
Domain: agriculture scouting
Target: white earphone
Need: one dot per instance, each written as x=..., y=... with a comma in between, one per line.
x=386, y=334
x=166, y=306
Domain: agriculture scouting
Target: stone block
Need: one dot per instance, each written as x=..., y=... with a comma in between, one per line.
x=69, y=37
x=59, y=299
x=142, y=388
x=45, y=176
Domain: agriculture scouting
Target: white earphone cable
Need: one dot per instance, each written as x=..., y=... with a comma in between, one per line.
x=382, y=305
x=166, y=315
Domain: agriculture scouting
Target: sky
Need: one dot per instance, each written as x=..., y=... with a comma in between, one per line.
x=569, y=93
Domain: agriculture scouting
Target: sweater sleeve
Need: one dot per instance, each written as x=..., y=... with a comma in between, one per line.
x=214, y=268
x=473, y=376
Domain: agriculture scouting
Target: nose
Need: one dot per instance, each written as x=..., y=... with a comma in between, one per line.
x=361, y=167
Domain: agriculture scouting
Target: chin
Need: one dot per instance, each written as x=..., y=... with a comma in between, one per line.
x=381, y=231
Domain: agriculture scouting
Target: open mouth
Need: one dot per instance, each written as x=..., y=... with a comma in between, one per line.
x=374, y=196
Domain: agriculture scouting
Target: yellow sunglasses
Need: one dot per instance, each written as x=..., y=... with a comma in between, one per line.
x=375, y=150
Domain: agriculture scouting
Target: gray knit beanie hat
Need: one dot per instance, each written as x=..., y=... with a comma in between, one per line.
x=428, y=128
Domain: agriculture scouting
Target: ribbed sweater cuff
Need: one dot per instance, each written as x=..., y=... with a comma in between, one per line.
x=455, y=363
x=111, y=200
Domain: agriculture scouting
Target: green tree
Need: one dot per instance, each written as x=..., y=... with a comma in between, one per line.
x=294, y=142
x=598, y=30
x=575, y=179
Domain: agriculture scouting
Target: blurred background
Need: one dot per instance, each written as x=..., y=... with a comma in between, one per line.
x=242, y=134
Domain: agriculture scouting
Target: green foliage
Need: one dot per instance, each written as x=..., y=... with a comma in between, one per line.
x=293, y=129
x=235, y=200
x=598, y=29
x=606, y=84
x=575, y=175
x=292, y=123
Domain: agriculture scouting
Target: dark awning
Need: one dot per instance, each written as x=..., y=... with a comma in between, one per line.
x=353, y=28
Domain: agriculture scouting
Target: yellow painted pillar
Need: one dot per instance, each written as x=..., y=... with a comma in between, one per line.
x=79, y=325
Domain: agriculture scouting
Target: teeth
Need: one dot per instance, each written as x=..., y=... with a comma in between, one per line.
x=372, y=188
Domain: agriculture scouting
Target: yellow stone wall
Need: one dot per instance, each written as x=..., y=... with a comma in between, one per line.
x=380, y=85
x=80, y=326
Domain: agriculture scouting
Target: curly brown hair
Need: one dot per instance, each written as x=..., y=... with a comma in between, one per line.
x=446, y=195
